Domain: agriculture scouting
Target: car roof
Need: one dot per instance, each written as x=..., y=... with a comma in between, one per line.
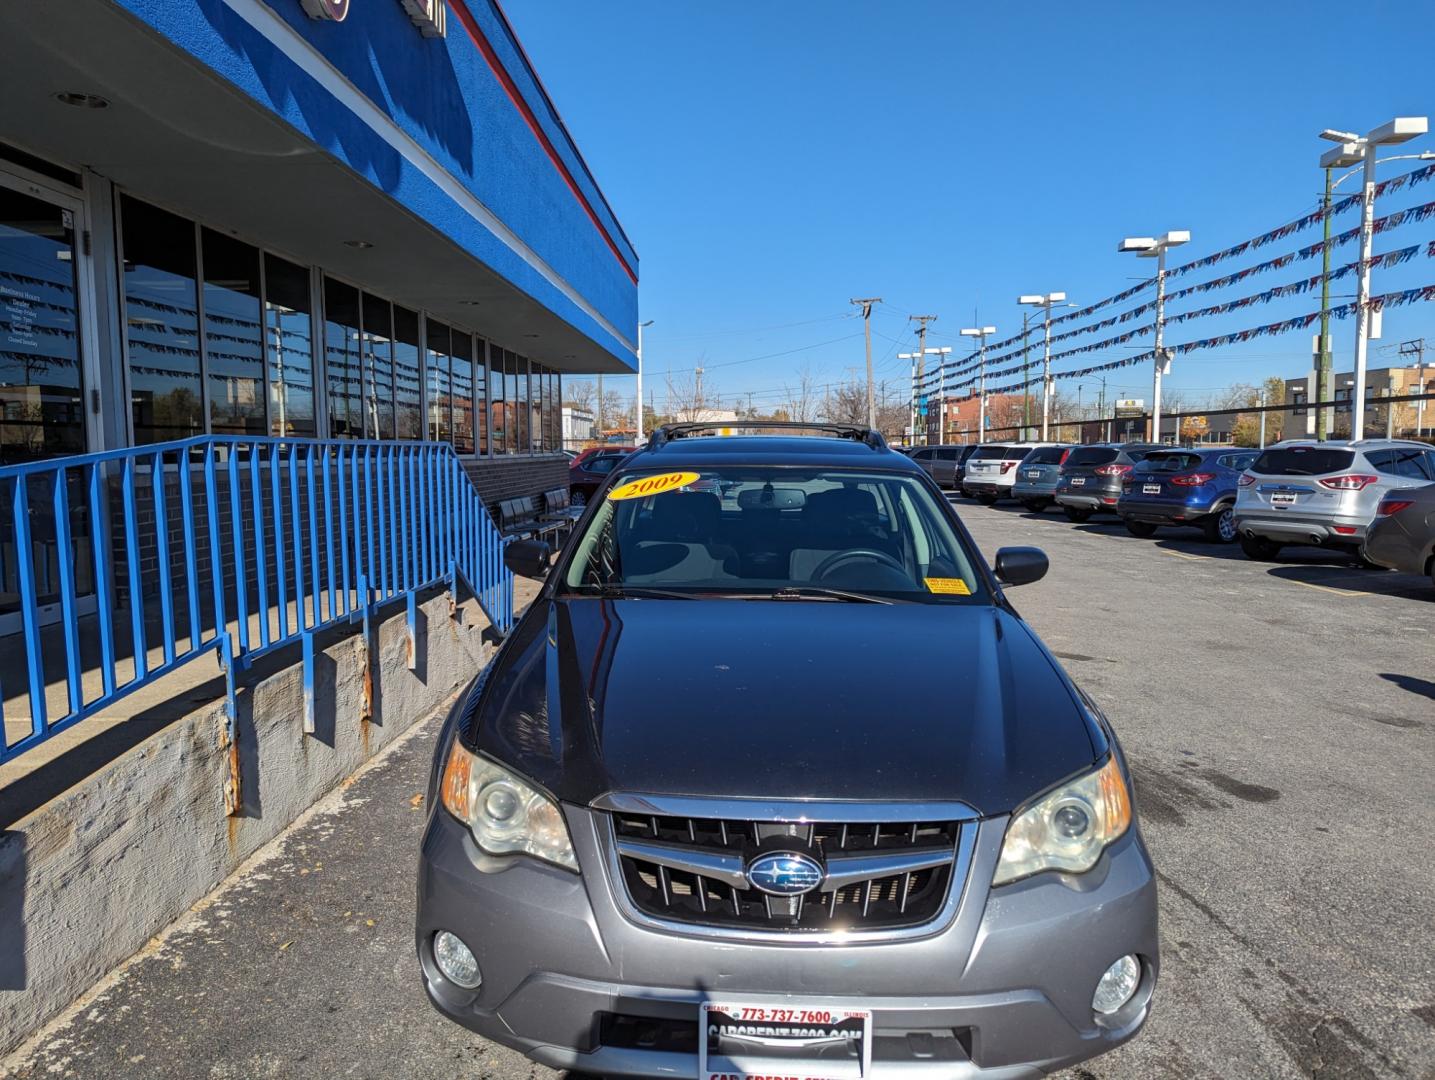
x=710, y=450
x=1351, y=444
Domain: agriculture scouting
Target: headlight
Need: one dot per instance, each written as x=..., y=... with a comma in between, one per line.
x=505, y=814
x=1068, y=829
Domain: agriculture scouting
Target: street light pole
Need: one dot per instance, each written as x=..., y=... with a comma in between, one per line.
x=1045, y=303
x=1324, y=418
x=1150, y=247
x=1353, y=150
x=639, y=424
x=1323, y=362
x=980, y=333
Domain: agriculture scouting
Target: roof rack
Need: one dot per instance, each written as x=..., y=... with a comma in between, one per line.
x=855, y=432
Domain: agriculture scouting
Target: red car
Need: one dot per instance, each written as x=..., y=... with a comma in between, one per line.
x=589, y=469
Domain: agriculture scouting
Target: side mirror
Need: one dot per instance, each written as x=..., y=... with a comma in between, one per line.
x=1021, y=565
x=528, y=558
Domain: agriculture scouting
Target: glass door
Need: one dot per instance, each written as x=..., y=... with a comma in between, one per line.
x=43, y=379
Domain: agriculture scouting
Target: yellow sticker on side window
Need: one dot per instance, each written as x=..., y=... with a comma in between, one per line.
x=652, y=485
x=951, y=586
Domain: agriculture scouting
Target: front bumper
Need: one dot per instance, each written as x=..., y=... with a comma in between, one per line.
x=1001, y=990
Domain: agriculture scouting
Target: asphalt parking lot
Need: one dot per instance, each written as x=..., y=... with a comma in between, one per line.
x=1280, y=721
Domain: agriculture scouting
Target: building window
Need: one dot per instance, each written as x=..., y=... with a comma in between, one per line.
x=479, y=396
x=161, y=328
x=287, y=311
x=521, y=405
x=41, y=400
x=440, y=400
x=463, y=393
x=497, y=406
x=1298, y=398
x=233, y=342
x=408, y=389
x=378, y=367
x=343, y=360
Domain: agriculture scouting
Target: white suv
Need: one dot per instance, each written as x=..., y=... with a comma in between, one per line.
x=1323, y=493
x=991, y=470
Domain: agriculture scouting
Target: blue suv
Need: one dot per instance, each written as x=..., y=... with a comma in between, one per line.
x=1190, y=487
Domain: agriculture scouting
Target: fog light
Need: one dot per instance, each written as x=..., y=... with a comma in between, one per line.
x=457, y=962
x=1117, y=985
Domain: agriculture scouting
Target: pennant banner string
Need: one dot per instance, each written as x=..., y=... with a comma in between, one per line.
x=1401, y=298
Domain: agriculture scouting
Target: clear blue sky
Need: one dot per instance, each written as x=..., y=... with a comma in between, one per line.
x=772, y=160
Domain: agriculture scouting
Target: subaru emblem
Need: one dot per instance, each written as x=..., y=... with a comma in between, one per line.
x=785, y=873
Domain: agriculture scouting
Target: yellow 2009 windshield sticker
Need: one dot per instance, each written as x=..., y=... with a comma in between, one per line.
x=652, y=485
x=952, y=586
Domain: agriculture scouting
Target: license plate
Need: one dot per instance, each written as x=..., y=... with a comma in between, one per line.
x=1150, y=489
x=795, y=1040
x=1282, y=498
x=1033, y=474
x=1078, y=481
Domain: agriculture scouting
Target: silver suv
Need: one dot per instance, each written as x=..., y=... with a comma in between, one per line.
x=1323, y=493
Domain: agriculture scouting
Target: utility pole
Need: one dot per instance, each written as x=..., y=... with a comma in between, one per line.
x=866, y=304
x=921, y=321
x=601, y=425
x=698, y=393
x=1416, y=349
x=1025, y=369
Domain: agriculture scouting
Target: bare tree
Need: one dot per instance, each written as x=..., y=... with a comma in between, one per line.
x=803, y=403
x=580, y=394
x=688, y=399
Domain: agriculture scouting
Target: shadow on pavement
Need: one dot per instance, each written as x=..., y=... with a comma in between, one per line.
x=1422, y=687
x=1343, y=576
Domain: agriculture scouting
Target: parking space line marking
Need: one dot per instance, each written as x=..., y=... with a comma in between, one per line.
x=1327, y=588
x=1186, y=555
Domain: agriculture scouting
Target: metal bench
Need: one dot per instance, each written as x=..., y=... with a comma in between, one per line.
x=558, y=506
x=518, y=520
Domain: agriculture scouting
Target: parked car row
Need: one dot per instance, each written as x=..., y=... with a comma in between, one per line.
x=1373, y=499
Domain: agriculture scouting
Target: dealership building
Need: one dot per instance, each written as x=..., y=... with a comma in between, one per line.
x=309, y=218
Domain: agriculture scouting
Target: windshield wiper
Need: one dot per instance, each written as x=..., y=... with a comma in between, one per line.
x=808, y=592
x=613, y=591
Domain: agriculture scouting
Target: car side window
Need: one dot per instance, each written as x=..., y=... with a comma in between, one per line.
x=922, y=455
x=1407, y=462
x=1428, y=464
x=947, y=455
x=1382, y=461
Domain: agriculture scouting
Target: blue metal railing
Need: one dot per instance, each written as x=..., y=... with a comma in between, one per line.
x=148, y=558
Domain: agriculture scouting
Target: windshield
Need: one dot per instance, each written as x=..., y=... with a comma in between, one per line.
x=765, y=530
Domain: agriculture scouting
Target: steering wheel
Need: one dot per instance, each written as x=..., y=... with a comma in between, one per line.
x=827, y=565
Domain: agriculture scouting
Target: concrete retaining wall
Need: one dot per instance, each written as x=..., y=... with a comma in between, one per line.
x=88, y=878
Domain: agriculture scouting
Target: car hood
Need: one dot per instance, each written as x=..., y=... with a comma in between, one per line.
x=783, y=699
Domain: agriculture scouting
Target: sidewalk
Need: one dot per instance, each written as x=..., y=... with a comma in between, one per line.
x=300, y=966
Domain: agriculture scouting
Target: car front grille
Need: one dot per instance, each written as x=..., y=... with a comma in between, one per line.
x=878, y=876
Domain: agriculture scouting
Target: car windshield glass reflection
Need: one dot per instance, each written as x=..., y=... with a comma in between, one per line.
x=773, y=532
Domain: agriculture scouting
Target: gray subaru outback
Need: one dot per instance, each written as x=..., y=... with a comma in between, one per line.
x=707, y=813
